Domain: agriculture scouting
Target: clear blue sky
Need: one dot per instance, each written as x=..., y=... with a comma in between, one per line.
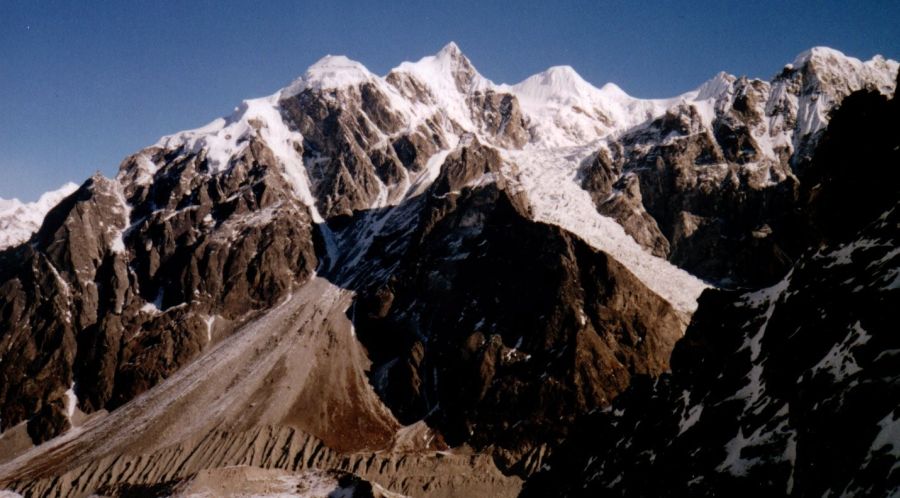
x=83, y=84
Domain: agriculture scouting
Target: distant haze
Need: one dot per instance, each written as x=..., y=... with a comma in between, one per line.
x=82, y=87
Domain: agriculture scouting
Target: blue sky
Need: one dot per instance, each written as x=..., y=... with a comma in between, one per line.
x=83, y=84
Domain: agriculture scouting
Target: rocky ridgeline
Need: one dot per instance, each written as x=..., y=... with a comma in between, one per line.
x=719, y=185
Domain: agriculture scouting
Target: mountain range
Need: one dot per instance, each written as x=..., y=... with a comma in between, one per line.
x=429, y=284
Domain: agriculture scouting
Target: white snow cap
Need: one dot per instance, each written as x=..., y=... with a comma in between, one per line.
x=817, y=53
x=331, y=71
x=438, y=71
x=878, y=69
x=718, y=85
x=834, y=75
x=567, y=110
x=559, y=84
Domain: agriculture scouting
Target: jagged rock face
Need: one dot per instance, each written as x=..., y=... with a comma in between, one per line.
x=499, y=115
x=366, y=139
x=236, y=241
x=620, y=198
x=686, y=189
x=723, y=175
x=49, y=292
x=556, y=330
x=121, y=286
x=221, y=274
x=341, y=131
x=790, y=390
x=682, y=198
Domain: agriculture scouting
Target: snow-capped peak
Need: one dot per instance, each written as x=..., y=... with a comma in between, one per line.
x=819, y=53
x=450, y=50
x=560, y=84
x=566, y=110
x=840, y=70
x=330, y=72
x=720, y=84
x=827, y=76
x=613, y=90
x=18, y=220
x=446, y=72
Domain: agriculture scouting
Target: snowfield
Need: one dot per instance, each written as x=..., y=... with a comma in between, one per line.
x=18, y=220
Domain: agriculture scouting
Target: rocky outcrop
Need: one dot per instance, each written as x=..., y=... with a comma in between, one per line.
x=726, y=172
x=620, y=198
x=499, y=116
x=126, y=278
x=343, y=134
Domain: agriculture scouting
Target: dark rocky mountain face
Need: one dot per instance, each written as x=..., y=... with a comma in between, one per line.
x=786, y=391
x=789, y=390
x=556, y=331
x=353, y=274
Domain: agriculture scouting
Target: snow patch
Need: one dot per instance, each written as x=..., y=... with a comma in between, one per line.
x=155, y=307
x=71, y=401
x=737, y=465
x=839, y=361
x=888, y=437
x=691, y=414
x=209, y=321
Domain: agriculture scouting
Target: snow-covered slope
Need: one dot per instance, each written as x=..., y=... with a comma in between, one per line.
x=566, y=110
x=18, y=220
x=549, y=177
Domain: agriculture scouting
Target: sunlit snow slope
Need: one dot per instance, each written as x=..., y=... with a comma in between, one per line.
x=18, y=220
